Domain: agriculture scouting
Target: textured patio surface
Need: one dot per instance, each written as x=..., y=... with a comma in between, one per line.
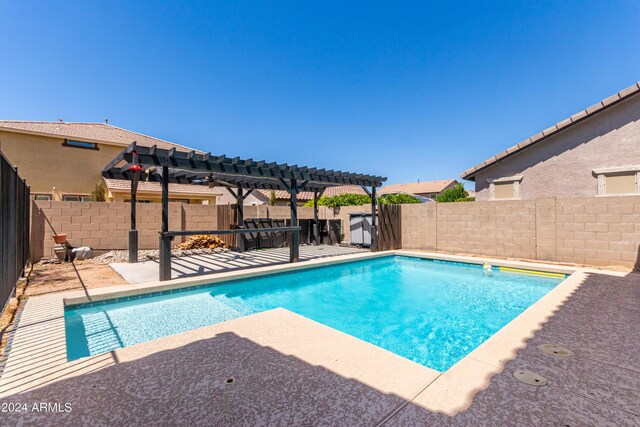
x=599, y=386
x=182, y=381
x=197, y=265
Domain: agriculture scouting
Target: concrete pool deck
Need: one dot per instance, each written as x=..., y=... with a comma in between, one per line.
x=286, y=369
x=224, y=262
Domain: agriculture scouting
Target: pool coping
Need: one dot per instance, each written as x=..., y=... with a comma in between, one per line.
x=449, y=392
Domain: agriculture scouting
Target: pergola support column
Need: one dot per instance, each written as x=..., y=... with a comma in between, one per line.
x=133, y=232
x=316, y=231
x=294, y=249
x=374, y=217
x=165, y=241
x=240, y=218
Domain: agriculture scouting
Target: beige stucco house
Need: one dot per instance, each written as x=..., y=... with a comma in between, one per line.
x=595, y=152
x=63, y=161
x=428, y=189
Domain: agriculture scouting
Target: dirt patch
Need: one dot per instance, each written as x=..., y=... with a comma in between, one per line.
x=80, y=275
x=47, y=278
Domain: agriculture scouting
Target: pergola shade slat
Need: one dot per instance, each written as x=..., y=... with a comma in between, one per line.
x=189, y=166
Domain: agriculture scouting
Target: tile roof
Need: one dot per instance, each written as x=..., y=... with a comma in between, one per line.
x=121, y=185
x=284, y=195
x=343, y=189
x=86, y=131
x=417, y=187
x=541, y=136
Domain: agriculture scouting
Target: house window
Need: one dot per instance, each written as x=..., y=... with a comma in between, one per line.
x=507, y=188
x=620, y=184
x=139, y=201
x=618, y=181
x=76, y=198
x=503, y=190
x=185, y=201
x=42, y=197
x=80, y=144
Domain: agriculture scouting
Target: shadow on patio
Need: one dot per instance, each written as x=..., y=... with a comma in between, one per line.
x=197, y=265
x=600, y=385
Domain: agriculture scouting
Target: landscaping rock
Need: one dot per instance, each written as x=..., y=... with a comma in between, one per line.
x=151, y=254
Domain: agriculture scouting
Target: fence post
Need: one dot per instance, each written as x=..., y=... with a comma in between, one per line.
x=374, y=228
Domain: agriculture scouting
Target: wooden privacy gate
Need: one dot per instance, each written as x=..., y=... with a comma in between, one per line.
x=227, y=218
x=389, y=227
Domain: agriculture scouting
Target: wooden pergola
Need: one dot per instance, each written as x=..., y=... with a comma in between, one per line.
x=240, y=177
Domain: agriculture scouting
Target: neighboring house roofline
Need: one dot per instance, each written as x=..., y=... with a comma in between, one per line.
x=62, y=135
x=284, y=195
x=606, y=103
x=420, y=187
x=123, y=186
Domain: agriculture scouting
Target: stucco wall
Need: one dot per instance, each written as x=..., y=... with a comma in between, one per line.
x=562, y=165
x=45, y=163
x=600, y=231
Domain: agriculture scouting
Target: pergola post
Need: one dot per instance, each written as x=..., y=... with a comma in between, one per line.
x=133, y=232
x=165, y=241
x=240, y=218
x=316, y=231
x=374, y=217
x=190, y=167
x=294, y=249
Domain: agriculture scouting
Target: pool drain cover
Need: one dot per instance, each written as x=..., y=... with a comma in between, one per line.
x=555, y=350
x=529, y=377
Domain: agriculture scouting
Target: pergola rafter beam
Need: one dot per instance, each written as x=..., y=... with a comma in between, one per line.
x=179, y=176
x=189, y=160
x=177, y=166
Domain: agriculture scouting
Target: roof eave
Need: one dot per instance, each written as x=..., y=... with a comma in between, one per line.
x=579, y=117
x=62, y=136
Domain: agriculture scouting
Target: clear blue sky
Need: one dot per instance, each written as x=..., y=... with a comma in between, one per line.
x=409, y=90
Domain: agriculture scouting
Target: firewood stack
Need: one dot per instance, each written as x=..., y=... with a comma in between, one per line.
x=202, y=241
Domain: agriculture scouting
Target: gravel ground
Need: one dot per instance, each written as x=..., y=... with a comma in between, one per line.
x=153, y=254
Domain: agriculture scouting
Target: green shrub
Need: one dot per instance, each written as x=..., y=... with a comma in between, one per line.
x=397, y=199
x=342, y=200
x=455, y=194
x=99, y=193
x=363, y=199
x=272, y=198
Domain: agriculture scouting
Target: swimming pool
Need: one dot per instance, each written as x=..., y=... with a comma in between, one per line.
x=429, y=311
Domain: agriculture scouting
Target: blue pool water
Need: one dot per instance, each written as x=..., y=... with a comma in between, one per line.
x=432, y=312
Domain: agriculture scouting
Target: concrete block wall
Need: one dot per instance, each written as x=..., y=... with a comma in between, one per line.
x=546, y=230
x=601, y=231
x=105, y=226
x=419, y=226
x=503, y=228
x=99, y=225
x=199, y=217
x=598, y=231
